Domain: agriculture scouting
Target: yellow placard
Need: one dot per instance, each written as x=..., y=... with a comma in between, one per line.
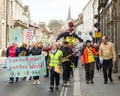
x=70, y=39
x=97, y=34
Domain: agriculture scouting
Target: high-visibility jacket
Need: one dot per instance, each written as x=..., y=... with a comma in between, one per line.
x=88, y=55
x=54, y=58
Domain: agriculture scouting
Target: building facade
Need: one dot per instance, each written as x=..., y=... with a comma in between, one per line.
x=79, y=24
x=43, y=34
x=109, y=25
x=21, y=18
x=2, y=23
x=110, y=17
x=88, y=15
x=13, y=15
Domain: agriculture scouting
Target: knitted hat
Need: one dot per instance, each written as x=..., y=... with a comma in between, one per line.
x=70, y=24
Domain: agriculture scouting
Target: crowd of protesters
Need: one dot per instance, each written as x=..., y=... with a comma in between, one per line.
x=66, y=56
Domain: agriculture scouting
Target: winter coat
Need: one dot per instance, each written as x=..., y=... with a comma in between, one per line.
x=89, y=52
x=24, y=51
x=67, y=34
x=12, y=52
x=35, y=51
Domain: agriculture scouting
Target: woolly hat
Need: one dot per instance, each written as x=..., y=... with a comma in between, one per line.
x=70, y=24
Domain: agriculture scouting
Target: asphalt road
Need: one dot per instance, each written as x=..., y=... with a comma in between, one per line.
x=26, y=87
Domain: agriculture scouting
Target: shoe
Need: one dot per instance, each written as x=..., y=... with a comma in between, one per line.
x=35, y=82
x=30, y=78
x=51, y=89
x=87, y=82
x=56, y=87
x=92, y=81
x=64, y=83
x=16, y=80
x=111, y=80
x=38, y=82
x=105, y=82
x=11, y=82
x=24, y=78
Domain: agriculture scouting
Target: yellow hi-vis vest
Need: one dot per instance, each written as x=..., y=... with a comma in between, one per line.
x=90, y=56
x=54, y=58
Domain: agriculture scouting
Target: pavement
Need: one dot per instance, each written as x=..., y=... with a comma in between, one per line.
x=96, y=89
x=2, y=59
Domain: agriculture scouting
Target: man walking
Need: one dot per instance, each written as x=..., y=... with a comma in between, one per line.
x=89, y=61
x=107, y=52
x=67, y=57
x=54, y=61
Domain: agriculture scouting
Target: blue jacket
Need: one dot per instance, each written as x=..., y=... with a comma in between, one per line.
x=22, y=49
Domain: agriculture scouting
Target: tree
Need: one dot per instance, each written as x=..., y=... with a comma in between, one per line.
x=55, y=24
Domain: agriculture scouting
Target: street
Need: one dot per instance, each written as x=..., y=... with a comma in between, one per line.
x=26, y=87
x=99, y=88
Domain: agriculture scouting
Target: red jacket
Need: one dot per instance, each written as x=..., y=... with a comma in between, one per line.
x=12, y=51
x=85, y=54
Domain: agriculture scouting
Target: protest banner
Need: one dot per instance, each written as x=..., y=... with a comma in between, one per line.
x=26, y=66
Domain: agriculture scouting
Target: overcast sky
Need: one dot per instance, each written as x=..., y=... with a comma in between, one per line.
x=46, y=10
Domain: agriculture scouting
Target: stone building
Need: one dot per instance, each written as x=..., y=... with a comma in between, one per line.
x=110, y=20
x=88, y=17
x=43, y=34
x=13, y=15
x=21, y=18
x=110, y=24
x=2, y=23
x=79, y=24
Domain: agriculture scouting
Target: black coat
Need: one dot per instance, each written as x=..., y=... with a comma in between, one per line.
x=67, y=51
x=35, y=51
x=65, y=34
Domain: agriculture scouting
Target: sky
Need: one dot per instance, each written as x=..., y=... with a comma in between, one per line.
x=46, y=10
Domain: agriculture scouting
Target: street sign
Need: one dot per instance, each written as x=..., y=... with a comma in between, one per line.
x=97, y=34
x=15, y=35
x=29, y=34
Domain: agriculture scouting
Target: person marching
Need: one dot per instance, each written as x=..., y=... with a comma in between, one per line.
x=107, y=52
x=24, y=51
x=54, y=61
x=36, y=51
x=66, y=62
x=46, y=51
x=10, y=53
x=89, y=61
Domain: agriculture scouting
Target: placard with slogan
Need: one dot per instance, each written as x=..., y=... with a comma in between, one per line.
x=26, y=66
x=29, y=34
x=97, y=34
x=70, y=39
x=15, y=35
